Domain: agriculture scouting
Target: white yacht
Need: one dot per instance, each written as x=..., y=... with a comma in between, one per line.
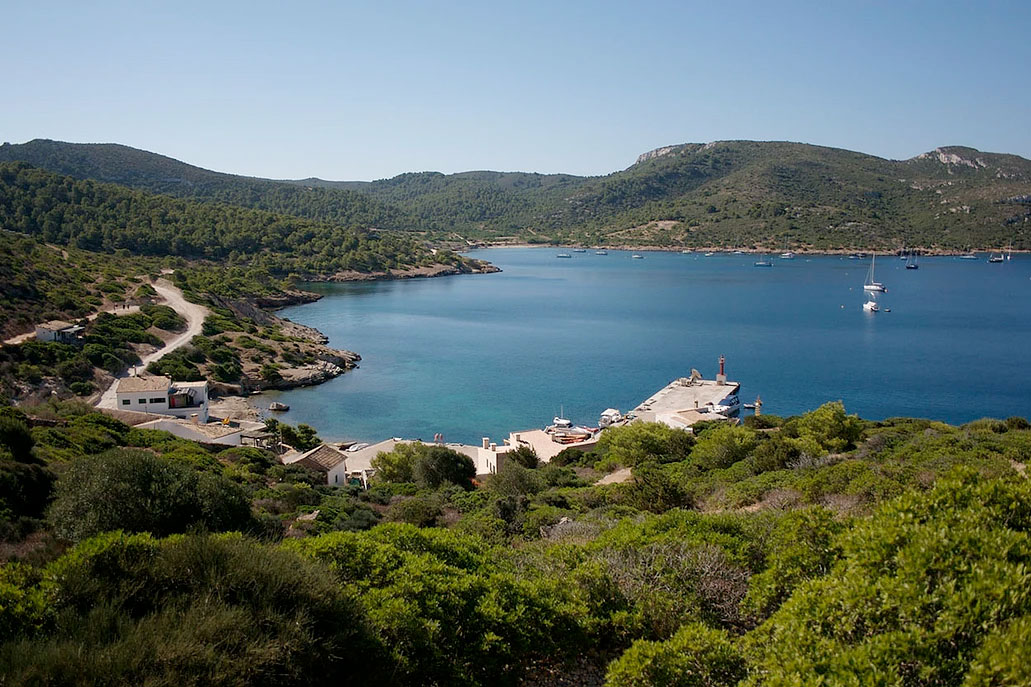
x=870, y=284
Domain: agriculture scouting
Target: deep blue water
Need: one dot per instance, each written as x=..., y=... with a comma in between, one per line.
x=482, y=355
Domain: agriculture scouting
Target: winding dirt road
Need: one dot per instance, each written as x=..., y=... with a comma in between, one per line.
x=193, y=314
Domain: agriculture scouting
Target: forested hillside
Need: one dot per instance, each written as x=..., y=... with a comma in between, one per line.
x=159, y=174
x=109, y=218
x=728, y=194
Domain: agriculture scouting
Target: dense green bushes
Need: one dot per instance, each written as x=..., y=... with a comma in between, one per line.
x=134, y=490
x=134, y=610
x=894, y=552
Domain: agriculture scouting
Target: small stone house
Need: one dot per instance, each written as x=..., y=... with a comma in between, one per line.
x=327, y=460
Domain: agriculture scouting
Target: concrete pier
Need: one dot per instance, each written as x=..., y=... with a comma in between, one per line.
x=684, y=401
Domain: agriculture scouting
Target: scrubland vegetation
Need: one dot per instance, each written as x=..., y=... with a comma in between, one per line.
x=821, y=549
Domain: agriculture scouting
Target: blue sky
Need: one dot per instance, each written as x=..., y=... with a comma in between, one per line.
x=369, y=90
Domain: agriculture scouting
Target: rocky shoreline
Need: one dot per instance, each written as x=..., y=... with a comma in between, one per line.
x=330, y=362
x=931, y=252
x=427, y=272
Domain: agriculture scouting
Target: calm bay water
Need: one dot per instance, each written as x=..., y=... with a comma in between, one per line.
x=483, y=355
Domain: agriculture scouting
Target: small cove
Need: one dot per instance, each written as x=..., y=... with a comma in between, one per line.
x=481, y=355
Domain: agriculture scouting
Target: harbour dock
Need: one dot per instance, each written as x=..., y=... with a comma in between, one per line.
x=685, y=401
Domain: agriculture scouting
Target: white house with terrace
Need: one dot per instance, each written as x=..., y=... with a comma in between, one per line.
x=157, y=394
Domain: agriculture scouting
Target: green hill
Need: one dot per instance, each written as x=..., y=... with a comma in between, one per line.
x=154, y=173
x=728, y=193
x=109, y=218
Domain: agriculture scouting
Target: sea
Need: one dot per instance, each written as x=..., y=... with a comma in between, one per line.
x=474, y=356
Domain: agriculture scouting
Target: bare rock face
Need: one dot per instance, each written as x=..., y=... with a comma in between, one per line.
x=652, y=154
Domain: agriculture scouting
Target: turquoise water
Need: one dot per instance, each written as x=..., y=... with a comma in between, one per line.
x=483, y=355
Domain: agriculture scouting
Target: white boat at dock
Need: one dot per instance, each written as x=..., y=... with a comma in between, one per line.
x=609, y=417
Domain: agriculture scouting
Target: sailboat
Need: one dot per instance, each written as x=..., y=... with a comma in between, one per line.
x=764, y=262
x=995, y=258
x=911, y=263
x=870, y=284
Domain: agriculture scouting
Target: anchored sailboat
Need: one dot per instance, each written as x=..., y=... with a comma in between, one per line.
x=870, y=284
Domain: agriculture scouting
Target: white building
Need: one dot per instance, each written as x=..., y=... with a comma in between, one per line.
x=327, y=460
x=163, y=396
x=58, y=330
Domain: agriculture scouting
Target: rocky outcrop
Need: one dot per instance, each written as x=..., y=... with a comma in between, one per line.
x=306, y=375
x=652, y=154
x=437, y=270
x=286, y=298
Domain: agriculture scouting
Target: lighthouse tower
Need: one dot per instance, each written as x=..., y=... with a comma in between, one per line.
x=721, y=378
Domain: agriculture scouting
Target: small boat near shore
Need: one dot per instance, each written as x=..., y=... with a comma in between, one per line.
x=563, y=255
x=601, y=252
x=277, y=406
x=635, y=256
x=579, y=250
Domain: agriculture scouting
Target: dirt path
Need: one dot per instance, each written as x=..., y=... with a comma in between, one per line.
x=193, y=314
x=621, y=475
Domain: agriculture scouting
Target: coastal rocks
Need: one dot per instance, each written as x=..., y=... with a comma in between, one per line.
x=306, y=375
x=343, y=359
x=437, y=270
x=286, y=298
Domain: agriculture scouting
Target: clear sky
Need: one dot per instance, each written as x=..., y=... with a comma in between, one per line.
x=368, y=90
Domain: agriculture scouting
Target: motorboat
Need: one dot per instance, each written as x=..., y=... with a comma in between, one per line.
x=601, y=252
x=609, y=417
x=579, y=250
x=787, y=255
x=276, y=405
x=996, y=258
x=635, y=256
x=968, y=256
x=563, y=255
x=871, y=306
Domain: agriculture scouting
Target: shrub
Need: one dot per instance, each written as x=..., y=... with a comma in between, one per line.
x=439, y=465
x=696, y=656
x=134, y=490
